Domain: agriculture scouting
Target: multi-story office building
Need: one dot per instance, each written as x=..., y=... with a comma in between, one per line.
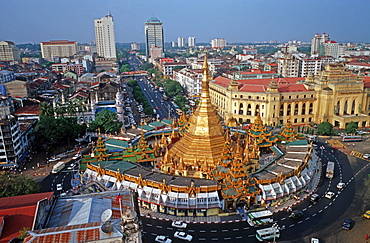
x=135, y=46
x=10, y=142
x=58, y=48
x=334, y=95
x=180, y=41
x=104, y=37
x=317, y=43
x=293, y=65
x=153, y=35
x=190, y=80
x=333, y=49
x=218, y=43
x=310, y=65
x=191, y=41
x=9, y=51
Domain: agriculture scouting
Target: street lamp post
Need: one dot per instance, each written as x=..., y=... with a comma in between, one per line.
x=276, y=227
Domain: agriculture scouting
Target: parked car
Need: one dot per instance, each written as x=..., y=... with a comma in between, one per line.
x=179, y=224
x=366, y=156
x=367, y=214
x=296, y=214
x=162, y=239
x=315, y=240
x=347, y=223
x=183, y=236
x=329, y=195
x=76, y=156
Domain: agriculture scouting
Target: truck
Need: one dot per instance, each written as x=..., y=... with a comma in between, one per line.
x=330, y=170
x=58, y=167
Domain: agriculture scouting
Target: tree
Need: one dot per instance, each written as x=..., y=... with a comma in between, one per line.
x=71, y=107
x=173, y=88
x=325, y=128
x=15, y=185
x=146, y=66
x=351, y=127
x=107, y=121
x=46, y=109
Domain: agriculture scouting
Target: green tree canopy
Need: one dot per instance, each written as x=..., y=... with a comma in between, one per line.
x=107, y=121
x=146, y=66
x=351, y=127
x=325, y=128
x=173, y=88
x=15, y=185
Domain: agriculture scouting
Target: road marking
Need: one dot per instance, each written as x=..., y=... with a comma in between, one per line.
x=251, y=236
x=313, y=215
x=153, y=233
x=159, y=226
x=292, y=225
x=299, y=222
x=320, y=211
x=330, y=203
x=214, y=238
x=283, y=219
x=191, y=230
x=304, y=209
x=246, y=228
x=227, y=238
x=235, y=229
x=213, y=231
x=149, y=225
x=326, y=207
x=202, y=238
x=307, y=218
x=225, y=230
x=310, y=206
x=202, y=231
x=239, y=237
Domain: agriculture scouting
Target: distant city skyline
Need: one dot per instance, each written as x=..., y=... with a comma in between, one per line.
x=236, y=21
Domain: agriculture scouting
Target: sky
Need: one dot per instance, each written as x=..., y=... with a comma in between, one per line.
x=34, y=21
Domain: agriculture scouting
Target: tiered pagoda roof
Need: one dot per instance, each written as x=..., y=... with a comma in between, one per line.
x=259, y=132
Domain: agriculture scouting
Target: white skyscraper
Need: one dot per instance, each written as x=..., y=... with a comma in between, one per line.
x=218, y=43
x=180, y=41
x=191, y=41
x=153, y=35
x=104, y=37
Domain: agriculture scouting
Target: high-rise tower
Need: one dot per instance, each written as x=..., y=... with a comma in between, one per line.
x=153, y=35
x=104, y=37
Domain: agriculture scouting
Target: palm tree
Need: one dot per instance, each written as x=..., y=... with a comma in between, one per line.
x=60, y=109
x=46, y=109
x=71, y=107
x=81, y=106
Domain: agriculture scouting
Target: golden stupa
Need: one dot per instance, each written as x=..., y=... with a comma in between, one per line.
x=199, y=150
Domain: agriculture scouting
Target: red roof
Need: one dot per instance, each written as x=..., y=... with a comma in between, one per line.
x=23, y=200
x=15, y=220
x=366, y=82
x=28, y=110
x=259, y=85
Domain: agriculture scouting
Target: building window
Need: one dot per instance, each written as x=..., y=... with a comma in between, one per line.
x=289, y=110
x=302, y=119
x=295, y=120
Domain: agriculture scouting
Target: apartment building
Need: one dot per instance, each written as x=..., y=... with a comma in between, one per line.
x=190, y=80
x=58, y=48
x=9, y=51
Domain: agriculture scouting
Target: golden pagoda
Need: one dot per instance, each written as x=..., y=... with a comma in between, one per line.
x=200, y=148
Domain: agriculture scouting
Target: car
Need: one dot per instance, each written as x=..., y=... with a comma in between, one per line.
x=314, y=240
x=315, y=198
x=59, y=187
x=162, y=239
x=69, y=168
x=54, y=159
x=63, y=194
x=329, y=195
x=179, y=224
x=183, y=236
x=366, y=156
x=367, y=214
x=341, y=185
x=347, y=223
x=76, y=156
x=296, y=214
x=152, y=101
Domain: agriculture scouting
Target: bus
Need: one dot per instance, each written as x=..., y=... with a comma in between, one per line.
x=330, y=170
x=58, y=167
x=259, y=218
x=267, y=234
x=351, y=138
